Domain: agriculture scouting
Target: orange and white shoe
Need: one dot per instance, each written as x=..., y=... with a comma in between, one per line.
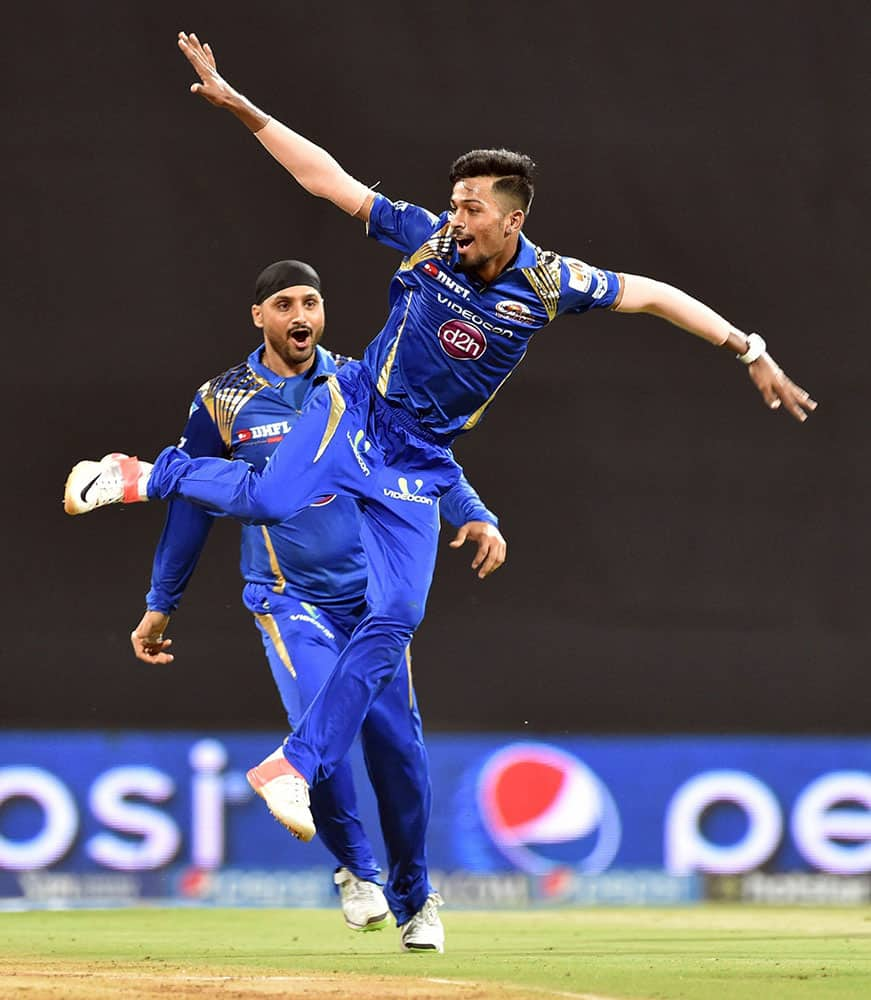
x=285, y=792
x=116, y=478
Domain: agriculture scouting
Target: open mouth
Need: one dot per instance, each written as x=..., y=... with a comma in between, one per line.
x=301, y=336
x=465, y=242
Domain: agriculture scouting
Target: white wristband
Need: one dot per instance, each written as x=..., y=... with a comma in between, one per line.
x=755, y=349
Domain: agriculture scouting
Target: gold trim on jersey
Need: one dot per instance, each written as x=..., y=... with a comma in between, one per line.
x=337, y=408
x=438, y=245
x=476, y=416
x=225, y=396
x=410, y=683
x=545, y=279
x=270, y=626
x=384, y=377
x=280, y=584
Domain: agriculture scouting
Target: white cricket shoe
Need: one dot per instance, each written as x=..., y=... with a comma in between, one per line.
x=285, y=792
x=116, y=478
x=363, y=904
x=424, y=932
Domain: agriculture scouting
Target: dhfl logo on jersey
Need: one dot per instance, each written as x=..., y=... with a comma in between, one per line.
x=434, y=271
x=544, y=810
x=462, y=340
x=263, y=432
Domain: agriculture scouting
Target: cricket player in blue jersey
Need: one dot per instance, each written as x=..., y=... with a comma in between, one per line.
x=305, y=584
x=468, y=296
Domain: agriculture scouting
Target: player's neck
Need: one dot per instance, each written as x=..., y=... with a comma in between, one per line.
x=275, y=363
x=492, y=268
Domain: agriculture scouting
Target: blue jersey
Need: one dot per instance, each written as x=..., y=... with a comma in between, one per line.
x=316, y=555
x=451, y=341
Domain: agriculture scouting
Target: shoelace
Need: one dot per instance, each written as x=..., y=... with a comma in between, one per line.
x=428, y=913
x=359, y=891
x=297, y=788
x=109, y=485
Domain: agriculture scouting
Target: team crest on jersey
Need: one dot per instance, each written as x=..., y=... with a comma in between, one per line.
x=516, y=312
x=580, y=274
x=462, y=341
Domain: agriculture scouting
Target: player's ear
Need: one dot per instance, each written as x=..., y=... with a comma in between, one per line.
x=257, y=316
x=514, y=222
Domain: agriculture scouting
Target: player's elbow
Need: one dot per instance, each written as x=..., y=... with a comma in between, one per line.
x=642, y=294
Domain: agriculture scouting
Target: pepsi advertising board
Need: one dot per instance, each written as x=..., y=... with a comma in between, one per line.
x=516, y=821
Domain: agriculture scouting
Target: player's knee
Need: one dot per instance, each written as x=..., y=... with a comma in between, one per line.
x=403, y=615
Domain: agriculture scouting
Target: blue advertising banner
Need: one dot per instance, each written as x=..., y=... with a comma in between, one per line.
x=108, y=817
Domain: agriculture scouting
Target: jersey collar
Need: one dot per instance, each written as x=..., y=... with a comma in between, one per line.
x=525, y=257
x=323, y=365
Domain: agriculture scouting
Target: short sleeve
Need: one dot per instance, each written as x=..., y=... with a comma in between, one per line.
x=584, y=287
x=400, y=225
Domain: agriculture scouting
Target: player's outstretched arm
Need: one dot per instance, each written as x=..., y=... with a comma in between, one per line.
x=312, y=167
x=640, y=294
x=147, y=638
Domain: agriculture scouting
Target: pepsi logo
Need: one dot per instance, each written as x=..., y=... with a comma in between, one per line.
x=244, y=435
x=545, y=809
x=324, y=500
x=430, y=268
x=462, y=340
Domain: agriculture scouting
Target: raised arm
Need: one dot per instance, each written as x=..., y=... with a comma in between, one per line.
x=640, y=294
x=312, y=167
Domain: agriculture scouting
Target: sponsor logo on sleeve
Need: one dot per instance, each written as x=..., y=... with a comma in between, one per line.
x=601, y=284
x=580, y=274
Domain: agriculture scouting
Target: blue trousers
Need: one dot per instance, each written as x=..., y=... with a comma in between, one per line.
x=348, y=441
x=302, y=644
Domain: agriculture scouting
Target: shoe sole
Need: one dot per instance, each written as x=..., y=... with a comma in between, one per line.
x=423, y=948
x=375, y=924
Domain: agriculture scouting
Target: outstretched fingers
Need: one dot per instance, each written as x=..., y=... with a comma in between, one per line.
x=201, y=58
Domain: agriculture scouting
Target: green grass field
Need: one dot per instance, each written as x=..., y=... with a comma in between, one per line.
x=703, y=953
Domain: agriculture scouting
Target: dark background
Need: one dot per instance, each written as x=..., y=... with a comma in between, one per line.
x=680, y=559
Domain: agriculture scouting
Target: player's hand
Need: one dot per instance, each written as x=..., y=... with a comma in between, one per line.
x=777, y=389
x=492, y=546
x=212, y=86
x=147, y=638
